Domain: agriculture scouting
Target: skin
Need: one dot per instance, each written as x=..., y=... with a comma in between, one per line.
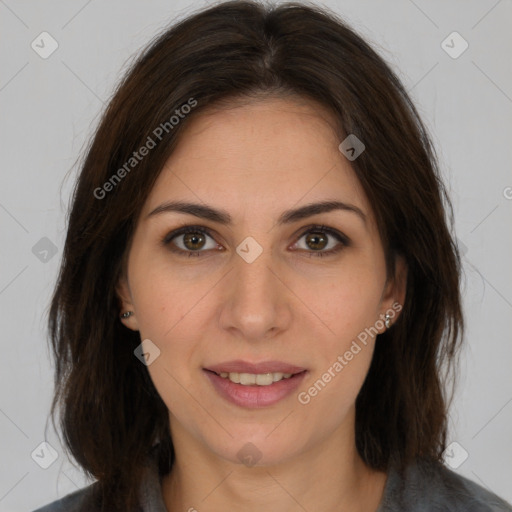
x=255, y=161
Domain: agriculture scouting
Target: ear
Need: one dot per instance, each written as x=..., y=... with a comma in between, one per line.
x=393, y=297
x=125, y=297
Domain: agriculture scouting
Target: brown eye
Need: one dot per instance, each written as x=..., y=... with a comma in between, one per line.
x=190, y=241
x=322, y=241
x=316, y=241
x=194, y=241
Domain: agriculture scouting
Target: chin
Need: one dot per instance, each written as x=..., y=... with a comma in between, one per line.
x=259, y=449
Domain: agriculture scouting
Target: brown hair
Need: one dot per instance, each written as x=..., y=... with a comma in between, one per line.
x=111, y=414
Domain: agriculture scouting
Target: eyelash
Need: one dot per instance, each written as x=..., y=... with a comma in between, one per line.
x=342, y=239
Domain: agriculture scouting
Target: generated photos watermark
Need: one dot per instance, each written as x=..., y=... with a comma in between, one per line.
x=137, y=156
x=304, y=397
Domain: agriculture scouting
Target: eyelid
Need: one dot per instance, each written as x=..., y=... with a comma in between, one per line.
x=184, y=229
x=312, y=228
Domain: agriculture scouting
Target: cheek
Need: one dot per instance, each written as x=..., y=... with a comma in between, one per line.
x=340, y=368
x=349, y=307
x=167, y=319
x=348, y=301
x=162, y=293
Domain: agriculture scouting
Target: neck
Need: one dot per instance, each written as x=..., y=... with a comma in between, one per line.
x=331, y=476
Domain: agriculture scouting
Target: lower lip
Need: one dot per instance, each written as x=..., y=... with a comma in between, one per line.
x=255, y=397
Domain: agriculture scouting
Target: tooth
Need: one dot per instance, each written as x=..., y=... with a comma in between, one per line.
x=264, y=379
x=247, y=379
x=251, y=379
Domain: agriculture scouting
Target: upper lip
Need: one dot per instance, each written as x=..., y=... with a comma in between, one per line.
x=239, y=366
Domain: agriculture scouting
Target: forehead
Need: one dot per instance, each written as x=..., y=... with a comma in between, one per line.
x=270, y=152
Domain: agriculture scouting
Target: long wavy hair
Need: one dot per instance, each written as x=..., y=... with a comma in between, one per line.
x=110, y=413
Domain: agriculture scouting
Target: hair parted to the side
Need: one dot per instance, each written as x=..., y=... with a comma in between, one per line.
x=110, y=413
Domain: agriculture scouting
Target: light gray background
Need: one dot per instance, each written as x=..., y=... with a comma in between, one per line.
x=50, y=106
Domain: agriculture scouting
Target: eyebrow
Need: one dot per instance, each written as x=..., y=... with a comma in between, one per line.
x=223, y=217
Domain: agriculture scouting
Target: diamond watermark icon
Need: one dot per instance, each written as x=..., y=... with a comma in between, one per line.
x=249, y=454
x=249, y=249
x=147, y=352
x=454, y=45
x=44, y=250
x=44, y=455
x=351, y=147
x=455, y=455
x=44, y=45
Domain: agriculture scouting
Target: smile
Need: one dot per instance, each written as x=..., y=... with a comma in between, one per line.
x=254, y=390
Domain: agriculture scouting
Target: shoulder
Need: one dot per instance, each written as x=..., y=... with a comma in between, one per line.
x=73, y=502
x=89, y=499
x=431, y=486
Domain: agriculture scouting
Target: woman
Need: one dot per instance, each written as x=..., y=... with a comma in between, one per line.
x=259, y=302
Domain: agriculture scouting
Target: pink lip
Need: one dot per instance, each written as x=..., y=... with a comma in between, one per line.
x=255, y=397
x=240, y=366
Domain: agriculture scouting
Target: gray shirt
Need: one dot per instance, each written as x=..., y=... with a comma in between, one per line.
x=426, y=486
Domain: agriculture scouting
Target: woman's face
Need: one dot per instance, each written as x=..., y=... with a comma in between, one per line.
x=261, y=290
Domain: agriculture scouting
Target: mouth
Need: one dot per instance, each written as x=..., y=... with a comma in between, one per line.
x=255, y=385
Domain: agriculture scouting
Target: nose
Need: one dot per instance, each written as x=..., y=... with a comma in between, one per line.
x=256, y=303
